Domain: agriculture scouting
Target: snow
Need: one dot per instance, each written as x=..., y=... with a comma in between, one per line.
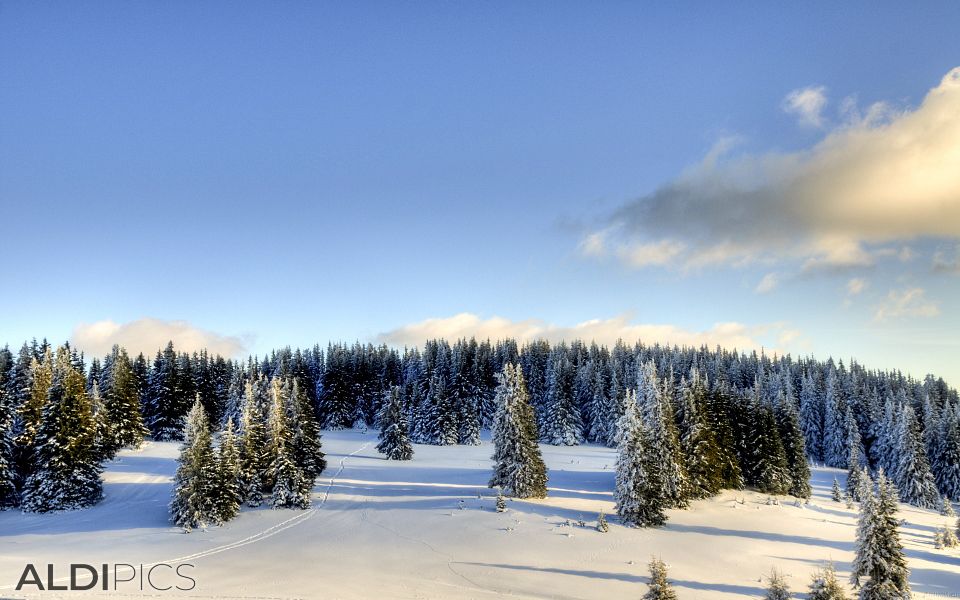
x=394, y=529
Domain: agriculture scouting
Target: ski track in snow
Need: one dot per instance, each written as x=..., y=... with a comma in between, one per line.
x=257, y=537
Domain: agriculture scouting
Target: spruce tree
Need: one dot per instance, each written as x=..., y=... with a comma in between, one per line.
x=879, y=553
x=103, y=439
x=66, y=469
x=562, y=425
x=602, y=525
x=811, y=418
x=394, y=436
x=777, y=588
x=228, y=495
x=788, y=425
x=307, y=444
x=855, y=461
x=122, y=401
x=639, y=492
x=659, y=587
x=834, y=423
x=518, y=466
x=835, y=494
x=701, y=454
x=946, y=454
x=291, y=489
x=194, y=485
x=769, y=470
x=254, y=441
x=825, y=585
x=653, y=396
x=30, y=413
x=946, y=507
x=9, y=497
x=913, y=476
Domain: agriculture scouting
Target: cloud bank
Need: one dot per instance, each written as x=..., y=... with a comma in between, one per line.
x=148, y=335
x=606, y=331
x=880, y=179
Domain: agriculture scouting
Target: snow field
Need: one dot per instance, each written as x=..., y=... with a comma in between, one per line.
x=417, y=529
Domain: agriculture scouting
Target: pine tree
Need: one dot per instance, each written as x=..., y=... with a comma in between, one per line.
x=166, y=403
x=103, y=438
x=518, y=466
x=811, y=418
x=945, y=463
x=639, y=492
x=777, y=588
x=307, y=444
x=659, y=586
x=946, y=507
x=561, y=424
x=228, y=493
x=944, y=537
x=697, y=440
x=30, y=413
x=194, y=488
x=253, y=448
x=290, y=488
x=879, y=554
x=66, y=470
x=602, y=525
x=718, y=413
x=855, y=462
x=913, y=476
x=834, y=424
x=122, y=401
x=394, y=436
x=825, y=585
x=9, y=497
x=501, y=502
x=653, y=396
x=788, y=424
x=768, y=471
x=835, y=494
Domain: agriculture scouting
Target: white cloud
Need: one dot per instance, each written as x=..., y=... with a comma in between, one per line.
x=642, y=255
x=909, y=302
x=607, y=331
x=872, y=185
x=148, y=335
x=769, y=283
x=856, y=286
x=807, y=104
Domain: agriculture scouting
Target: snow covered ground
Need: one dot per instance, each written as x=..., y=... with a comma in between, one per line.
x=418, y=529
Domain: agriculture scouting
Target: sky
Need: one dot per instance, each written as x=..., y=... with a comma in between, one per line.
x=245, y=176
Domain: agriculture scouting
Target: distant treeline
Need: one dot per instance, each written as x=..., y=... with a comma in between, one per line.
x=745, y=403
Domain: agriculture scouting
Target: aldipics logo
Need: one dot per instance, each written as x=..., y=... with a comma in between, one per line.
x=158, y=577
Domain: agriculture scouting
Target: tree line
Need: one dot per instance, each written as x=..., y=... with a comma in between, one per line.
x=715, y=418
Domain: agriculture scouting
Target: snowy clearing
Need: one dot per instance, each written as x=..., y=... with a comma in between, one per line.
x=418, y=529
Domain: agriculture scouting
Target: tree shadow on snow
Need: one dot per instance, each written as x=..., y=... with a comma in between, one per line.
x=626, y=577
x=761, y=535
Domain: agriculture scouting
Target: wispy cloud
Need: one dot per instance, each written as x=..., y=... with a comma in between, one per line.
x=807, y=104
x=875, y=182
x=148, y=335
x=856, y=286
x=769, y=283
x=909, y=302
x=607, y=331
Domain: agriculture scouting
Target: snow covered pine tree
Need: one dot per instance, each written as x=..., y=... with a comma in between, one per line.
x=394, y=434
x=518, y=467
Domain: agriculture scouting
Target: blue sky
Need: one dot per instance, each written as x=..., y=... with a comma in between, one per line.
x=250, y=175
